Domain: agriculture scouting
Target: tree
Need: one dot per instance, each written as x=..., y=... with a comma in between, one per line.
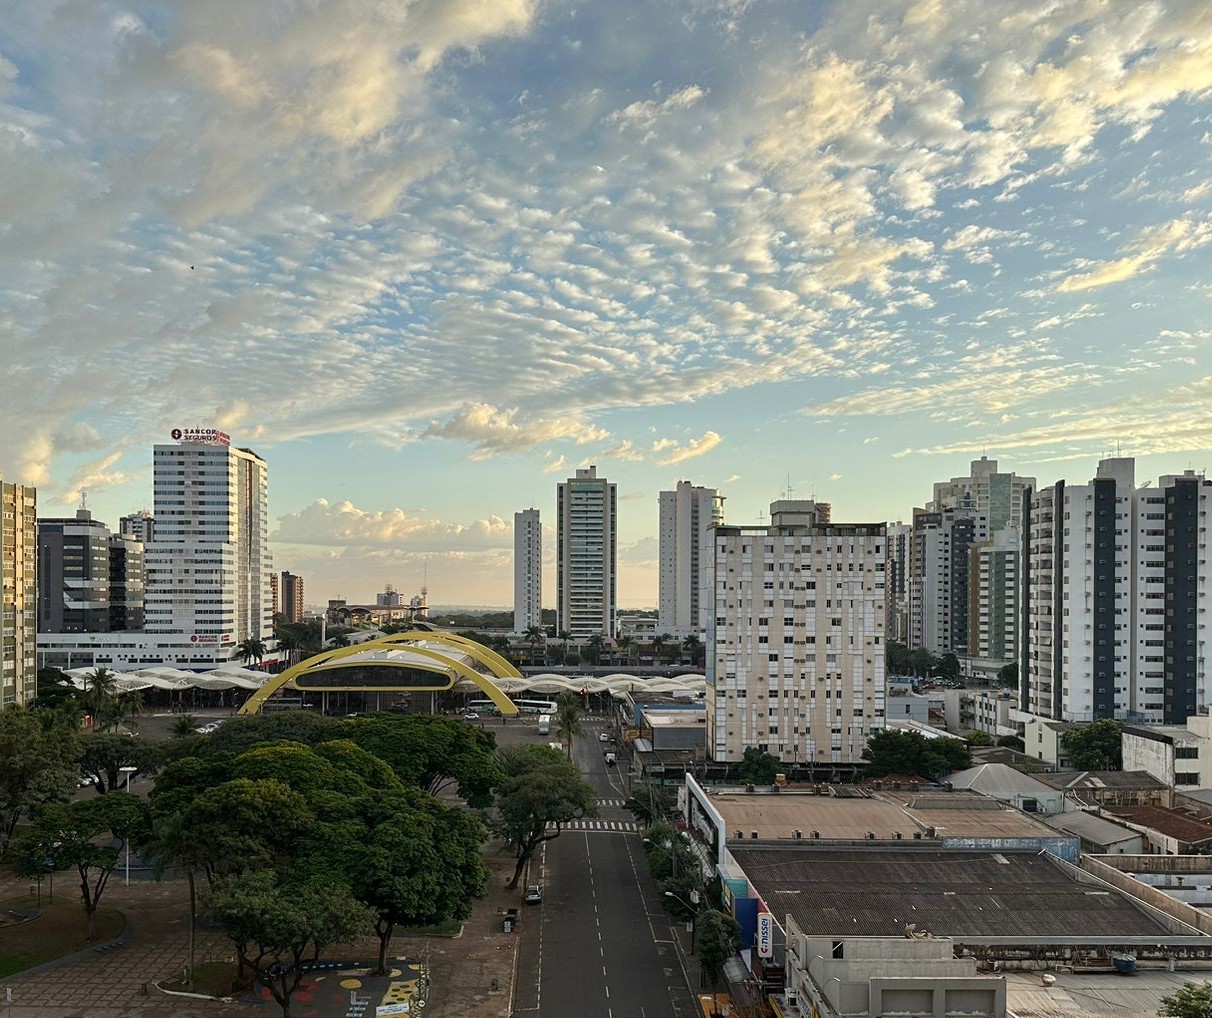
x=568, y=719
x=565, y=636
x=658, y=644
x=419, y=863
x=98, y=696
x=534, y=636
x=55, y=691
x=241, y=733
x=89, y=835
x=626, y=644
x=1191, y=1000
x=1097, y=746
x=949, y=667
x=719, y=937
x=541, y=791
x=290, y=642
x=693, y=648
x=172, y=845
x=38, y=764
x=758, y=767
x=891, y=751
x=183, y=725
x=897, y=659
x=979, y=738
x=274, y=926
x=105, y=754
x=1007, y=675
x=649, y=803
x=252, y=649
x=594, y=647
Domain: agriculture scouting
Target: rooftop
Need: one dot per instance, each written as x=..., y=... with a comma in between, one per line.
x=1076, y=780
x=999, y=779
x=662, y=718
x=1092, y=828
x=878, y=892
x=1092, y=994
x=1172, y=823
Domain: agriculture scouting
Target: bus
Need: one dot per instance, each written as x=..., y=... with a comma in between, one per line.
x=544, y=724
x=524, y=706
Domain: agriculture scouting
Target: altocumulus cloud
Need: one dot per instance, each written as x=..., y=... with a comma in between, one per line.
x=343, y=524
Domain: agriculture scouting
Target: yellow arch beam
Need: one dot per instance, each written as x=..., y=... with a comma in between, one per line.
x=499, y=667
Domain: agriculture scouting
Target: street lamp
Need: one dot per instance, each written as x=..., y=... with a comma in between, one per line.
x=693, y=908
x=128, y=771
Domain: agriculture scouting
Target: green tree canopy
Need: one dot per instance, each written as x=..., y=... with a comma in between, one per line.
x=893, y=751
x=1191, y=1000
x=949, y=666
x=1097, y=746
x=38, y=763
x=90, y=836
x=540, y=787
x=719, y=937
x=104, y=754
x=1007, y=675
x=275, y=926
x=758, y=767
x=243, y=732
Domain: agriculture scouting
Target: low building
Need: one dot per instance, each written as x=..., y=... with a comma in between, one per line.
x=991, y=712
x=1109, y=788
x=906, y=705
x=1177, y=755
x=1002, y=782
x=674, y=728
x=1043, y=741
x=1098, y=835
x=1167, y=831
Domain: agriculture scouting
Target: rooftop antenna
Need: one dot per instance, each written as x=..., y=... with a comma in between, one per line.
x=790, y=489
x=83, y=498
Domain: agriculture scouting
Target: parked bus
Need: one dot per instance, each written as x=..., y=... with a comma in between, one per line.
x=544, y=724
x=536, y=706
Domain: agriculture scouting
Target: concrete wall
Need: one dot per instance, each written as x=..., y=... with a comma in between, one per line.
x=1151, y=755
x=1110, y=869
x=1067, y=848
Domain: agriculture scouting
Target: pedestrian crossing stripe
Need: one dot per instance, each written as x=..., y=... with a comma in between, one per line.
x=604, y=826
x=612, y=802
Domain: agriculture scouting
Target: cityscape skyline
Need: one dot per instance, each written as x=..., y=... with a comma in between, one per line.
x=429, y=266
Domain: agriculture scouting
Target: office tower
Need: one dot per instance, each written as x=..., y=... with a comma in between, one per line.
x=274, y=596
x=527, y=570
x=900, y=540
x=1117, y=583
x=687, y=515
x=938, y=581
x=795, y=662
x=586, y=555
x=996, y=496
x=18, y=593
x=73, y=575
x=290, y=596
x=127, y=583
x=141, y=526
x=208, y=566
x=390, y=598
x=993, y=596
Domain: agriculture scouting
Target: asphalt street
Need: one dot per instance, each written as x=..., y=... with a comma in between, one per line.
x=600, y=944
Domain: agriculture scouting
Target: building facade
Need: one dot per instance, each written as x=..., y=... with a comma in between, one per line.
x=140, y=526
x=939, y=578
x=993, y=596
x=73, y=575
x=527, y=570
x=795, y=661
x=1116, y=585
x=209, y=566
x=586, y=555
x=986, y=492
x=18, y=593
x=127, y=583
x=687, y=515
x=900, y=542
x=290, y=596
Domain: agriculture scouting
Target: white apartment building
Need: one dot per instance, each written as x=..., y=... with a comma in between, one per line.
x=586, y=555
x=140, y=526
x=1117, y=592
x=527, y=570
x=209, y=566
x=899, y=549
x=795, y=661
x=687, y=515
x=939, y=578
x=996, y=496
x=18, y=593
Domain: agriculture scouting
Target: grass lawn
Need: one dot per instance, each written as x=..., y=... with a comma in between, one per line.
x=213, y=978
x=61, y=929
x=450, y=928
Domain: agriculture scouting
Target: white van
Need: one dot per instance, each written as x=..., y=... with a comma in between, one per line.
x=544, y=724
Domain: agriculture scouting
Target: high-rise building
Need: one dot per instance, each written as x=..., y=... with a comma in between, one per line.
x=390, y=598
x=586, y=529
x=527, y=570
x=290, y=596
x=900, y=543
x=141, y=526
x=1117, y=580
x=208, y=566
x=795, y=662
x=993, y=598
x=687, y=515
x=938, y=581
x=18, y=593
x=89, y=580
x=996, y=496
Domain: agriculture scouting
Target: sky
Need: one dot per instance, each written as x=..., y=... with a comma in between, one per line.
x=429, y=257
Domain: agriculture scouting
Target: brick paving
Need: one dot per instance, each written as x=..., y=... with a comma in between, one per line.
x=469, y=976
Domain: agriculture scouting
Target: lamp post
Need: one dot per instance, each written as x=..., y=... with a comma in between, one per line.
x=128, y=771
x=693, y=908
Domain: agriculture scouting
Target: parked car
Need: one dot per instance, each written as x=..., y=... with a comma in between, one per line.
x=534, y=894
x=610, y=758
x=471, y=716
x=603, y=737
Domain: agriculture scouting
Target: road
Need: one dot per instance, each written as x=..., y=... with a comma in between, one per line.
x=604, y=948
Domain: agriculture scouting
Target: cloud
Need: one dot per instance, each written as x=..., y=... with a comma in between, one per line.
x=492, y=431
x=342, y=524
x=1178, y=236
x=693, y=449
x=644, y=114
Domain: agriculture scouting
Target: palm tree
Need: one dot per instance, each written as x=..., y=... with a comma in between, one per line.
x=594, y=647
x=626, y=644
x=252, y=649
x=567, y=721
x=658, y=642
x=98, y=696
x=534, y=636
x=692, y=645
x=290, y=642
x=172, y=844
x=183, y=725
x=565, y=635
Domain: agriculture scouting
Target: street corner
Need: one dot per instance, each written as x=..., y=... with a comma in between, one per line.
x=355, y=992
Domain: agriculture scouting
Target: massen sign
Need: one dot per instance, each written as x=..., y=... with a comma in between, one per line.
x=765, y=935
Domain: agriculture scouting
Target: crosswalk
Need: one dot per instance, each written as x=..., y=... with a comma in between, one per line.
x=600, y=826
x=612, y=802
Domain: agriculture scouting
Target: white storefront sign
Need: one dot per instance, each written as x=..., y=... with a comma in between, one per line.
x=765, y=935
x=205, y=436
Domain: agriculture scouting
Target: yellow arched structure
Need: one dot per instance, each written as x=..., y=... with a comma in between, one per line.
x=432, y=659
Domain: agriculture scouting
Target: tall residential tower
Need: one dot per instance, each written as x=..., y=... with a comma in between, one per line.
x=18, y=593
x=527, y=570
x=586, y=556
x=687, y=515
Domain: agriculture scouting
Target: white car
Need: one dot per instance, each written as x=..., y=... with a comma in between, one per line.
x=471, y=716
x=603, y=737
